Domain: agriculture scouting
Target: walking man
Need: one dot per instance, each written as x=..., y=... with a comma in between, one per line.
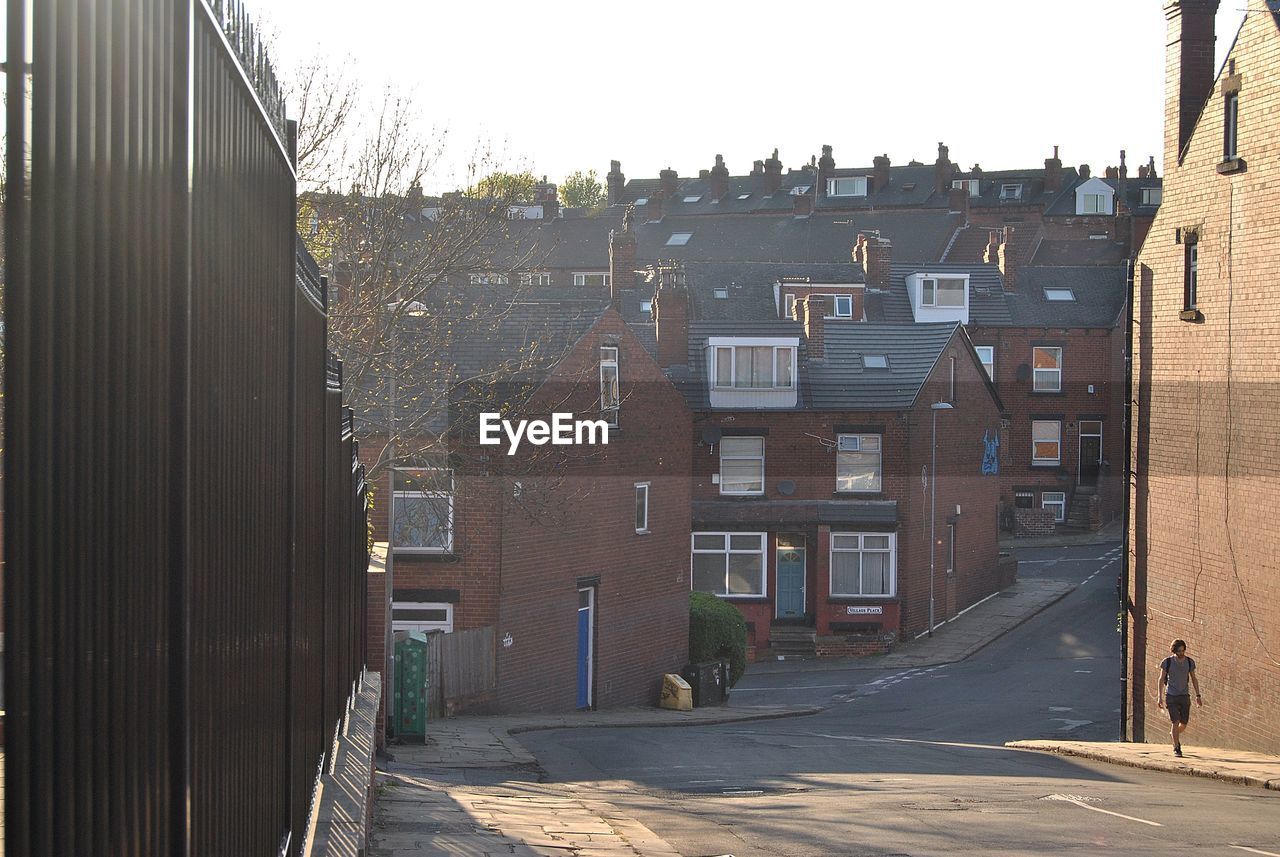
x=1176, y=671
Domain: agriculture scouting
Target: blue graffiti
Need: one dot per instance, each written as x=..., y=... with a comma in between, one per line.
x=990, y=460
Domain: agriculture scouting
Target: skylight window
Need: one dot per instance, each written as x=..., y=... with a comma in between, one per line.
x=1011, y=191
x=721, y=293
x=646, y=306
x=697, y=198
x=744, y=196
x=875, y=361
x=644, y=200
x=801, y=189
x=679, y=239
x=1059, y=295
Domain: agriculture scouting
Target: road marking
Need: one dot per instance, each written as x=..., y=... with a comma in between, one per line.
x=1074, y=800
x=1084, y=671
x=1071, y=724
x=794, y=687
x=1058, y=708
x=1254, y=850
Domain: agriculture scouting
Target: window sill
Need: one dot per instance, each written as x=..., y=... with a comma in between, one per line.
x=425, y=556
x=860, y=495
x=1231, y=166
x=642, y=532
x=741, y=496
x=854, y=599
x=1048, y=393
x=743, y=599
x=1047, y=465
x=1192, y=315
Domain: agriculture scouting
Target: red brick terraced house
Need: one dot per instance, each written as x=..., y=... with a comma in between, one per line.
x=1203, y=541
x=576, y=558
x=810, y=440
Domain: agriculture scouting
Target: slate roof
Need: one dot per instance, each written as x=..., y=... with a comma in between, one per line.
x=987, y=306
x=1079, y=252
x=1033, y=193
x=749, y=285
x=785, y=512
x=1065, y=205
x=692, y=381
x=1099, y=291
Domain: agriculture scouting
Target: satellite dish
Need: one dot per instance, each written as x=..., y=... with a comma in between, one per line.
x=711, y=434
x=786, y=488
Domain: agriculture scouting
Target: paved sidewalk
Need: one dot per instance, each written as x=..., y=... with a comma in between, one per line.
x=422, y=809
x=1233, y=766
x=1108, y=535
x=957, y=640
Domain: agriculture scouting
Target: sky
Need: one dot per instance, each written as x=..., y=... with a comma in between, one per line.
x=568, y=85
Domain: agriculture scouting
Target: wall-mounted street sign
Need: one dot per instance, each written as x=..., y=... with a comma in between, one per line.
x=864, y=611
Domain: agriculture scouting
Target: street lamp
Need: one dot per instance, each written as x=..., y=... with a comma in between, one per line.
x=933, y=501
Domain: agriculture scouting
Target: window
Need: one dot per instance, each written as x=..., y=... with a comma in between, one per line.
x=1024, y=500
x=801, y=190
x=875, y=361
x=1191, y=270
x=862, y=564
x=987, y=354
x=728, y=563
x=591, y=278
x=951, y=379
x=755, y=367
x=1151, y=195
x=1094, y=203
x=1230, y=117
x=646, y=305
x=1046, y=442
x=1011, y=191
x=1046, y=364
x=743, y=196
x=1059, y=295
x=851, y=186
x=720, y=293
x=421, y=616
x=971, y=185
x=695, y=198
x=422, y=510
x=535, y=278
x=858, y=462
x=942, y=292
x=679, y=239
x=489, y=279
x=610, y=400
x=1056, y=502
x=644, y=200
x=790, y=303
x=642, y=507
x=841, y=306
x=742, y=465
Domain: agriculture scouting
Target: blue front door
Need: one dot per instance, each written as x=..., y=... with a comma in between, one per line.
x=586, y=643
x=790, y=566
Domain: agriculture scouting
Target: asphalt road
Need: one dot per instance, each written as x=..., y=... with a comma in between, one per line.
x=911, y=762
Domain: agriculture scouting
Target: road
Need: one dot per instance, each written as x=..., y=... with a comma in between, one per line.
x=911, y=762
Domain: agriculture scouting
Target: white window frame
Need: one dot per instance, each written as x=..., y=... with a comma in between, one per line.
x=789, y=303
x=1051, y=376
x=971, y=185
x=693, y=198
x=610, y=393
x=1152, y=195
x=855, y=444
x=1011, y=191
x=838, y=546
x=835, y=306
x=489, y=278
x=679, y=239
x=728, y=551
x=847, y=186
x=718, y=352
x=1059, y=295
x=642, y=508
x=1060, y=514
x=753, y=492
x=646, y=305
x=1036, y=458
x=720, y=293
x=989, y=363
x=931, y=282
x=1094, y=203
x=397, y=495
x=535, y=278
x=580, y=277
x=404, y=624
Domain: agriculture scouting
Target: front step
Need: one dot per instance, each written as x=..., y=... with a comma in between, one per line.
x=792, y=642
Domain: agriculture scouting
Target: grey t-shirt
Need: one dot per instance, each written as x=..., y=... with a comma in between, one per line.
x=1179, y=671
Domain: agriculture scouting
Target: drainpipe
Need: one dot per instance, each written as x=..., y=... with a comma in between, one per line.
x=1128, y=477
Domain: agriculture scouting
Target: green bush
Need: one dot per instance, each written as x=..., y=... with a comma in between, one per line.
x=717, y=630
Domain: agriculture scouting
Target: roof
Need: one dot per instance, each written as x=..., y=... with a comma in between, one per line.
x=748, y=286
x=1065, y=205
x=1099, y=296
x=732, y=513
x=842, y=382
x=986, y=294
x=1080, y=252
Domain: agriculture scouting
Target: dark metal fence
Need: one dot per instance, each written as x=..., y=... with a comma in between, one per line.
x=184, y=506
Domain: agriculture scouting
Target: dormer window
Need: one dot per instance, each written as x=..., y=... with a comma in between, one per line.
x=942, y=292
x=755, y=367
x=1151, y=195
x=679, y=239
x=847, y=186
x=841, y=306
x=1094, y=203
x=1011, y=191
x=1095, y=196
x=970, y=185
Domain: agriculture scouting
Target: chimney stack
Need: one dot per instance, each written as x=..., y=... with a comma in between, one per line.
x=772, y=174
x=622, y=256
x=719, y=179
x=958, y=201
x=992, y=254
x=802, y=204
x=1151, y=167
x=1053, y=173
x=942, y=171
x=880, y=173
x=1188, y=70
x=615, y=182
x=1008, y=261
x=826, y=169
x=546, y=195
x=669, y=181
x=671, y=314
x=1085, y=172
x=860, y=249
x=815, y=315
x=877, y=256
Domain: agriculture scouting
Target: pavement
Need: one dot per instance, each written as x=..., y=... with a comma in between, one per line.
x=1232, y=766
x=1109, y=534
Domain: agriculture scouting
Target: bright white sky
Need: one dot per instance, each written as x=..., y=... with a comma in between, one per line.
x=572, y=84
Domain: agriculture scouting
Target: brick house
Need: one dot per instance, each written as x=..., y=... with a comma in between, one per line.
x=809, y=439
x=576, y=558
x=1202, y=535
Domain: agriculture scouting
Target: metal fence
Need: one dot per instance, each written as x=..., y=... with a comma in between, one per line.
x=184, y=508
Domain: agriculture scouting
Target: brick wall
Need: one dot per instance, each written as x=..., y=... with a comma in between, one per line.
x=1203, y=535
x=1033, y=522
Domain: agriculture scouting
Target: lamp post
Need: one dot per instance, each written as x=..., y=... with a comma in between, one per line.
x=933, y=501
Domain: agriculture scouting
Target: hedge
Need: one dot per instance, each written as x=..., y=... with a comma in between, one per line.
x=717, y=630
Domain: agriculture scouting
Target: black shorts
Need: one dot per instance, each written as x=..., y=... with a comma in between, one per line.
x=1179, y=708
